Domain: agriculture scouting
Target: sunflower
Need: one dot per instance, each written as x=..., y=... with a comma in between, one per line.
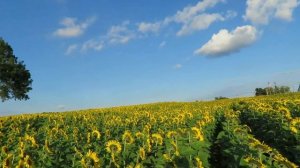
x=127, y=138
x=142, y=153
x=88, y=137
x=148, y=145
x=263, y=148
x=199, y=163
x=139, y=135
x=254, y=162
x=7, y=161
x=295, y=121
x=96, y=133
x=83, y=164
x=294, y=129
x=172, y=134
x=174, y=145
x=198, y=134
x=31, y=139
x=157, y=138
x=167, y=157
x=93, y=157
x=47, y=146
x=287, y=163
x=27, y=161
x=113, y=147
x=5, y=149
x=77, y=152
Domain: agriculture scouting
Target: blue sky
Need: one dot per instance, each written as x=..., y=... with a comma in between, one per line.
x=89, y=54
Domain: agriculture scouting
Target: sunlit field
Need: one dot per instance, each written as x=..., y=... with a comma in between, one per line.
x=245, y=132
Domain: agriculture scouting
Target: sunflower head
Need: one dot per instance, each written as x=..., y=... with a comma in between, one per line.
x=127, y=138
x=96, y=133
x=197, y=133
x=113, y=147
x=198, y=163
x=139, y=135
x=142, y=153
x=93, y=157
x=4, y=149
x=157, y=138
x=172, y=134
x=31, y=139
x=294, y=129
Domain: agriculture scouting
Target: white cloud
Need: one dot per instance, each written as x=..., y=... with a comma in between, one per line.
x=149, y=27
x=92, y=44
x=261, y=11
x=177, y=66
x=225, y=42
x=71, y=28
x=192, y=18
x=199, y=22
x=120, y=34
x=71, y=49
x=189, y=12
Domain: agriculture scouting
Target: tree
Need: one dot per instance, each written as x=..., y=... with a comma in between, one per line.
x=272, y=90
x=260, y=92
x=299, y=89
x=220, y=98
x=15, y=79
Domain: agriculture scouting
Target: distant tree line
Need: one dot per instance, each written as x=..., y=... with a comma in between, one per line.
x=272, y=90
x=220, y=98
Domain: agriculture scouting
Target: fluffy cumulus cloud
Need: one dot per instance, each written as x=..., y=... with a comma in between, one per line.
x=71, y=27
x=225, y=42
x=261, y=11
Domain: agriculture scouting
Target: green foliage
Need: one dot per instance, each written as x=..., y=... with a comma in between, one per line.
x=15, y=79
x=220, y=98
x=272, y=90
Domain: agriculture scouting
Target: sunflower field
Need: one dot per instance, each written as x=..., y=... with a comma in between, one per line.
x=243, y=132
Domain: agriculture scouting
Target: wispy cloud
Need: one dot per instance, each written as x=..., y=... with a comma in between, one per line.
x=162, y=44
x=145, y=27
x=71, y=27
x=261, y=11
x=191, y=18
x=92, y=44
x=225, y=42
x=71, y=48
x=177, y=66
x=199, y=22
x=120, y=34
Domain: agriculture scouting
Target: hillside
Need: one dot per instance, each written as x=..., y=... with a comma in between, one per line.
x=243, y=132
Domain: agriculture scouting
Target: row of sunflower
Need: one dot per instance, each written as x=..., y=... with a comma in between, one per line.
x=277, y=123
x=239, y=148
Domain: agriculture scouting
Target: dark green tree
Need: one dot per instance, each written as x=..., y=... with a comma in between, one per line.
x=299, y=88
x=15, y=79
x=260, y=92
